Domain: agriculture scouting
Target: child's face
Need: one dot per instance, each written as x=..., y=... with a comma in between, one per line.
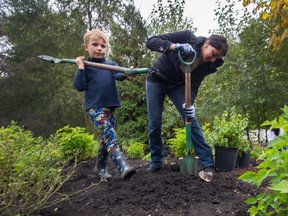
x=210, y=53
x=96, y=48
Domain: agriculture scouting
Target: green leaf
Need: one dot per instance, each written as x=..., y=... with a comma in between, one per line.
x=281, y=186
x=251, y=201
x=248, y=176
x=266, y=123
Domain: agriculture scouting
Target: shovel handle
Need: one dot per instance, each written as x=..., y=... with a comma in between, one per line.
x=187, y=89
x=187, y=104
x=127, y=71
x=188, y=72
x=187, y=64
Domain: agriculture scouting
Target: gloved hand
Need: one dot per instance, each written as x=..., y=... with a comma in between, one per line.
x=186, y=50
x=219, y=62
x=189, y=111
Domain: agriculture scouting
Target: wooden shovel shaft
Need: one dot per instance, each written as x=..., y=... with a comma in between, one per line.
x=187, y=92
x=103, y=66
x=127, y=71
x=187, y=104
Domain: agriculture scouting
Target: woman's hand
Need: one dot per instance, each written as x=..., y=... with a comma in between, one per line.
x=186, y=50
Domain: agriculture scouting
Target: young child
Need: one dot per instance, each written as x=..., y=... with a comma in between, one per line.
x=101, y=100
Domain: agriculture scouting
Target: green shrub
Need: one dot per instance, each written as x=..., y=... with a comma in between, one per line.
x=75, y=143
x=135, y=149
x=273, y=170
x=228, y=131
x=147, y=157
x=178, y=143
x=30, y=172
x=256, y=150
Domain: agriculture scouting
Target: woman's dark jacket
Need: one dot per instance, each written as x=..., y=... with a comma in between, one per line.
x=166, y=68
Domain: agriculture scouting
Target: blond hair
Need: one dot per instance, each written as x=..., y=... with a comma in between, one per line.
x=97, y=34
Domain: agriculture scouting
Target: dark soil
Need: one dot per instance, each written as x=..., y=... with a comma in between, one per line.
x=162, y=193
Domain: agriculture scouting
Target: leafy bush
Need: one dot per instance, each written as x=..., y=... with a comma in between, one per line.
x=33, y=169
x=135, y=149
x=244, y=146
x=274, y=170
x=30, y=172
x=206, y=128
x=178, y=143
x=75, y=143
x=256, y=150
x=228, y=131
x=147, y=157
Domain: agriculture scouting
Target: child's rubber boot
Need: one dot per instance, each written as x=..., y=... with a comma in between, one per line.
x=125, y=171
x=100, y=167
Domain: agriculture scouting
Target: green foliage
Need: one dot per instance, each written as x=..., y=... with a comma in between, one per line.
x=75, y=143
x=178, y=143
x=171, y=119
x=276, y=12
x=132, y=116
x=147, y=157
x=280, y=122
x=228, y=130
x=169, y=17
x=206, y=128
x=135, y=149
x=256, y=150
x=37, y=94
x=41, y=95
x=243, y=146
x=254, y=83
x=30, y=172
x=95, y=14
x=274, y=170
x=128, y=35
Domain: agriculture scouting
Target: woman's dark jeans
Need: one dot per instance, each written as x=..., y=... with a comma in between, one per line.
x=156, y=93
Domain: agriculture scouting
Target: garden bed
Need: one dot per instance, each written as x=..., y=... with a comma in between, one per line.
x=161, y=193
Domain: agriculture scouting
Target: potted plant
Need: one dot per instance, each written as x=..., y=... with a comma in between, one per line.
x=226, y=136
x=243, y=153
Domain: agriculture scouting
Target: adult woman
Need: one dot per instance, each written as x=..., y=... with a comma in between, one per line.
x=166, y=78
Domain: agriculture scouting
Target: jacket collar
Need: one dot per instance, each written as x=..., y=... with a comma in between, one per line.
x=199, y=42
x=97, y=60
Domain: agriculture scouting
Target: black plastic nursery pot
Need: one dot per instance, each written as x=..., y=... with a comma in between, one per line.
x=243, y=161
x=225, y=158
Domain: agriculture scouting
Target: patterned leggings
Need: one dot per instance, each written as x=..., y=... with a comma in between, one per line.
x=104, y=120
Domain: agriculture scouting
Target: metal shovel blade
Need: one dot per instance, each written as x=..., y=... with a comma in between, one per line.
x=49, y=59
x=189, y=165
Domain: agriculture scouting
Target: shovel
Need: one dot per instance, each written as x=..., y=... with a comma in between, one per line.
x=189, y=164
x=127, y=71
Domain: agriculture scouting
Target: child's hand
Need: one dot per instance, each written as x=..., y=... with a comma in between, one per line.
x=131, y=76
x=79, y=62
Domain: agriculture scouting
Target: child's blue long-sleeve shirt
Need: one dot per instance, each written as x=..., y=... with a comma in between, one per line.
x=99, y=85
